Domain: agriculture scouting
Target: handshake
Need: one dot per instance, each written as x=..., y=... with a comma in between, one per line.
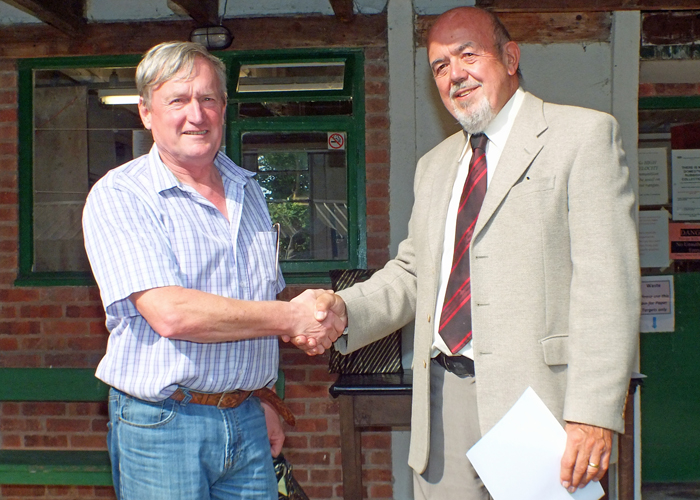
x=319, y=319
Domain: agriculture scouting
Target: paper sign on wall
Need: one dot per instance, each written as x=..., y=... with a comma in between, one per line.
x=653, y=176
x=658, y=312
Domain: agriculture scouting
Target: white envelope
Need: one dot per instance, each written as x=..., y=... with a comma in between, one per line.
x=520, y=457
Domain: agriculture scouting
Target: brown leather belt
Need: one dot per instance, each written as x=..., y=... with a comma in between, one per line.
x=233, y=399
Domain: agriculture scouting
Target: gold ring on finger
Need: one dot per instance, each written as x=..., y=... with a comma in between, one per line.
x=593, y=466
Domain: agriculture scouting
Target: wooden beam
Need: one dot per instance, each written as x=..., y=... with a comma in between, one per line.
x=66, y=16
x=251, y=34
x=205, y=12
x=528, y=27
x=343, y=10
x=585, y=5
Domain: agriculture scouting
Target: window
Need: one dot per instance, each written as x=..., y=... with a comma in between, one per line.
x=297, y=120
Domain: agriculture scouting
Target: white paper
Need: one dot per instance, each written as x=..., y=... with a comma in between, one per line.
x=685, y=165
x=653, y=238
x=653, y=176
x=520, y=457
x=658, y=314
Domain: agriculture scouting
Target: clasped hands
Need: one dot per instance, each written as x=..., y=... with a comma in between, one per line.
x=322, y=319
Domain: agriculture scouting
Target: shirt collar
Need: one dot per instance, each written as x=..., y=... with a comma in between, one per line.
x=164, y=179
x=499, y=129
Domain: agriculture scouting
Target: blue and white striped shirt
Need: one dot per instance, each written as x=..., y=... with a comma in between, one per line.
x=144, y=229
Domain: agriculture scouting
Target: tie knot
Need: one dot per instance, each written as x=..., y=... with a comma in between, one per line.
x=478, y=141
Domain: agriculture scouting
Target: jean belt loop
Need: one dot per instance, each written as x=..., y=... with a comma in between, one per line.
x=187, y=394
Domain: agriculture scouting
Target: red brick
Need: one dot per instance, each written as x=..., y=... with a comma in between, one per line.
x=8, y=232
x=91, y=311
x=315, y=491
x=64, y=294
x=8, y=79
x=321, y=375
x=378, y=53
x=375, y=70
x=377, y=225
x=81, y=409
x=98, y=328
x=10, y=408
x=379, y=457
x=294, y=374
x=294, y=391
x=43, y=311
x=377, y=207
x=8, y=344
x=8, y=312
x=94, y=442
x=374, y=172
x=375, y=88
x=18, y=295
x=87, y=344
x=7, y=279
x=377, y=156
x=19, y=327
x=376, y=475
x=311, y=425
x=378, y=491
x=20, y=424
x=313, y=458
x=67, y=425
x=325, y=441
x=71, y=360
x=8, y=246
x=377, y=122
x=297, y=407
x=376, y=440
x=377, y=138
x=8, y=115
x=375, y=104
x=326, y=475
x=11, y=441
x=100, y=425
x=66, y=327
x=43, y=409
x=21, y=360
x=296, y=442
x=44, y=441
x=22, y=490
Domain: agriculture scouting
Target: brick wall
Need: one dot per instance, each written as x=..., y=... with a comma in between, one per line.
x=668, y=89
x=64, y=326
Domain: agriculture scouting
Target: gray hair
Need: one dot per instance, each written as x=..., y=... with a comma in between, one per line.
x=165, y=60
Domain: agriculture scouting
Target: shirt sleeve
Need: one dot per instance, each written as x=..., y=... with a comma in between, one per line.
x=127, y=245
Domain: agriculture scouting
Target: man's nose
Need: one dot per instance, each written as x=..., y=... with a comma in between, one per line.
x=458, y=71
x=194, y=111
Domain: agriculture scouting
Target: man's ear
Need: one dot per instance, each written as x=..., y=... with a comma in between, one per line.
x=145, y=114
x=511, y=57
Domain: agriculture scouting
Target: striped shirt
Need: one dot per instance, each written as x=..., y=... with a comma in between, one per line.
x=144, y=229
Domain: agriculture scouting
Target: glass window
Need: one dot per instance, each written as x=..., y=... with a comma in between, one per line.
x=286, y=120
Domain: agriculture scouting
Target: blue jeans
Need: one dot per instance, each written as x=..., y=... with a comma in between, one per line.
x=176, y=451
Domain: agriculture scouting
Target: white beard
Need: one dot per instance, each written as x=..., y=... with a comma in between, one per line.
x=475, y=121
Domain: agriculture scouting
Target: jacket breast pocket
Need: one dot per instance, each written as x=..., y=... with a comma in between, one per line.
x=555, y=349
x=531, y=185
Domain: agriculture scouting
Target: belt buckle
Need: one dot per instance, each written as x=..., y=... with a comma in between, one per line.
x=222, y=404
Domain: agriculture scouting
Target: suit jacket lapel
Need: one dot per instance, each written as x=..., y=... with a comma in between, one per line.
x=442, y=175
x=523, y=144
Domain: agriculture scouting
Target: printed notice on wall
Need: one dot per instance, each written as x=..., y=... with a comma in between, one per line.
x=658, y=314
x=685, y=165
x=653, y=176
x=653, y=238
x=685, y=240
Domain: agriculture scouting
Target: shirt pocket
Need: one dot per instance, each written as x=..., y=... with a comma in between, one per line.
x=265, y=255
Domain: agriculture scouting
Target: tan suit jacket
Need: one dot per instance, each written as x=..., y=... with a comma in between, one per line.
x=554, y=266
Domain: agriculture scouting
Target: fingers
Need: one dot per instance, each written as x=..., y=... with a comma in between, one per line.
x=586, y=456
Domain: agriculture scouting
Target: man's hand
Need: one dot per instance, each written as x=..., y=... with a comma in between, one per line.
x=587, y=455
x=327, y=320
x=275, y=433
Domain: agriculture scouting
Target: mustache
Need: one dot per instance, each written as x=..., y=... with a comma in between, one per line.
x=456, y=87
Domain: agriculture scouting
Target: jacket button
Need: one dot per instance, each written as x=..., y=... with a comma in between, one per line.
x=428, y=318
x=424, y=365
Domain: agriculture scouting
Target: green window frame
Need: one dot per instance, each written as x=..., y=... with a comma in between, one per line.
x=351, y=124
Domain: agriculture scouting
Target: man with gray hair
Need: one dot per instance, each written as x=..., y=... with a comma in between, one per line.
x=181, y=246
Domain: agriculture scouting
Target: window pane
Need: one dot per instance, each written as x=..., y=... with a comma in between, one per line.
x=271, y=109
x=77, y=139
x=305, y=184
x=291, y=77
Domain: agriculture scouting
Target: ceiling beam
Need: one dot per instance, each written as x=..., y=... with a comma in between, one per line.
x=585, y=5
x=66, y=16
x=343, y=10
x=202, y=11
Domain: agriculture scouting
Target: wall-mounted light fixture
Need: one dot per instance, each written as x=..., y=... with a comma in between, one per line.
x=118, y=96
x=212, y=37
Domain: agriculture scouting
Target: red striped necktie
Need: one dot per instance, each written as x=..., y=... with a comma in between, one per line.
x=456, y=318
